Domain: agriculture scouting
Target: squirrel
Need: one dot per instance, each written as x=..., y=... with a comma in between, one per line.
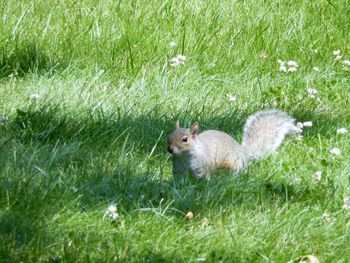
x=202, y=153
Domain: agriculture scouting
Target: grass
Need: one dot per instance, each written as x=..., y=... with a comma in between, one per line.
x=107, y=99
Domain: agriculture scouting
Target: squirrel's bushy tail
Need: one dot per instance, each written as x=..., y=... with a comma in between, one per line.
x=264, y=132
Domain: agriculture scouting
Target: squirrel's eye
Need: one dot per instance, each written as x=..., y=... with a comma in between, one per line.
x=184, y=139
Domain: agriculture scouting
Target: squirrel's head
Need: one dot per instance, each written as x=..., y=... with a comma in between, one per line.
x=180, y=141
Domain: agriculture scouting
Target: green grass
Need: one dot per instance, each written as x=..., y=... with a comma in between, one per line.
x=107, y=99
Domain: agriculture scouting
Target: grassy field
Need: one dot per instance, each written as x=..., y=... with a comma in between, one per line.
x=88, y=95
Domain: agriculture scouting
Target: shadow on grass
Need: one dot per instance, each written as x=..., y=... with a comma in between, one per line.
x=55, y=144
x=24, y=59
x=52, y=162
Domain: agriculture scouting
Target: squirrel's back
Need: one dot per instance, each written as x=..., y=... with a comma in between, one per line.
x=220, y=149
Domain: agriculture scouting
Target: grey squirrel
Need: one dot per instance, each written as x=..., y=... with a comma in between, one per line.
x=202, y=153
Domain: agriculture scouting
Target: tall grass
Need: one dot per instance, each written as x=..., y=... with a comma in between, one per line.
x=105, y=99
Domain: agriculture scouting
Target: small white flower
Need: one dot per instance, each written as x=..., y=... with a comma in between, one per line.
x=312, y=93
x=336, y=52
x=346, y=64
x=318, y=176
x=342, y=131
x=174, y=62
x=307, y=124
x=315, y=50
x=112, y=209
x=326, y=217
x=338, y=57
x=299, y=128
x=335, y=151
x=112, y=212
x=263, y=55
x=292, y=69
x=283, y=68
x=181, y=58
x=231, y=97
x=34, y=97
x=346, y=204
x=172, y=44
x=316, y=69
x=178, y=61
x=292, y=66
x=292, y=63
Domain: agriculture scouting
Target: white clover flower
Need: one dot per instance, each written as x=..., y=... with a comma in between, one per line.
x=338, y=57
x=178, y=61
x=318, y=176
x=292, y=63
x=346, y=64
x=299, y=128
x=326, y=217
x=307, y=124
x=292, y=69
x=342, y=131
x=346, y=204
x=172, y=44
x=112, y=212
x=181, y=58
x=336, y=52
x=316, y=69
x=312, y=93
x=231, y=97
x=174, y=62
x=283, y=68
x=263, y=55
x=292, y=66
x=112, y=209
x=34, y=97
x=335, y=151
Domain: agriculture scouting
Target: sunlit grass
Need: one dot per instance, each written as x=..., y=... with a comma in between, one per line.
x=88, y=94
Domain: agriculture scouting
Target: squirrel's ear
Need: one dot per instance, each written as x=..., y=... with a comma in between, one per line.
x=194, y=129
x=177, y=124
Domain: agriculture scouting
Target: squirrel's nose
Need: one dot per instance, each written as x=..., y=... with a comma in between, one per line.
x=170, y=149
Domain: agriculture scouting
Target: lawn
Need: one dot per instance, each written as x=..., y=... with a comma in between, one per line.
x=89, y=91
